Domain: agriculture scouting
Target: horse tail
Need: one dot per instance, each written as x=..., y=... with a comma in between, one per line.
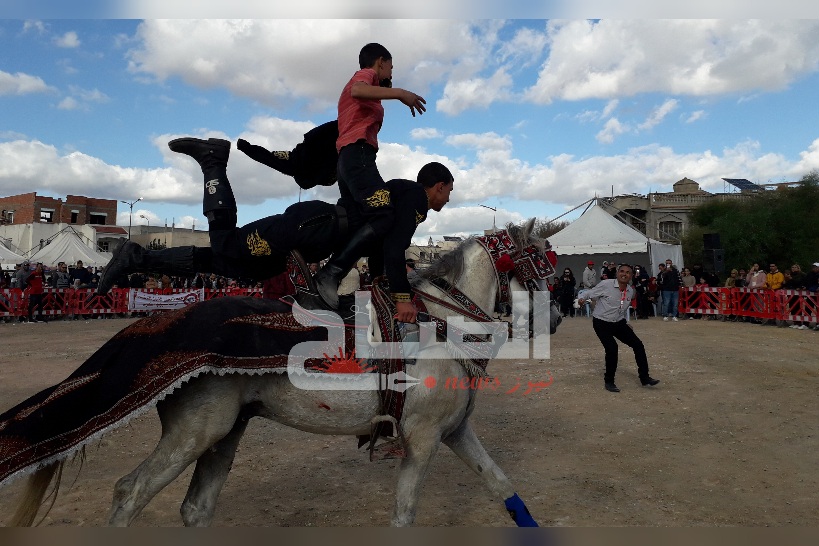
x=34, y=492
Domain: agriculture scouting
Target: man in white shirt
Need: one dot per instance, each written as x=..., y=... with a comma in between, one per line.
x=613, y=298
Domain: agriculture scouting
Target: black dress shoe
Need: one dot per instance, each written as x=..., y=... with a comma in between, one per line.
x=650, y=382
x=611, y=387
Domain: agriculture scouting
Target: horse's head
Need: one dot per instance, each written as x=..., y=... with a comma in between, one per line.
x=530, y=262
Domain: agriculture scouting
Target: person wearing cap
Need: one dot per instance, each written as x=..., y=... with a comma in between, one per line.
x=604, y=271
x=589, y=275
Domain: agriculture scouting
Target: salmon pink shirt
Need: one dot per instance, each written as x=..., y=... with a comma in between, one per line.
x=359, y=118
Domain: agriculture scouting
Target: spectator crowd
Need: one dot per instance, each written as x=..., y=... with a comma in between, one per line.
x=658, y=295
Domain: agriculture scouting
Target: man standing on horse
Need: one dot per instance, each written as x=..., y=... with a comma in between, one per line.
x=259, y=250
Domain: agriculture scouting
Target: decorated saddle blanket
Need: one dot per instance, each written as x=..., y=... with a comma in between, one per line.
x=147, y=361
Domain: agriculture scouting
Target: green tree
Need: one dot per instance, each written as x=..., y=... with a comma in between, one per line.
x=779, y=227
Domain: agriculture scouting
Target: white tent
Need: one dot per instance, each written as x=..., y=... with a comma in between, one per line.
x=9, y=258
x=598, y=236
x=67, y=246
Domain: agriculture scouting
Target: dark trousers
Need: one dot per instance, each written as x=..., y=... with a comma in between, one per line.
x=360, y=182
x=259, y=249
x=607, y=332
x=35, y=301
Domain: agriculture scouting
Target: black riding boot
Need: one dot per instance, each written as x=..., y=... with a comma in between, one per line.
x=183, y=261
x=218, y=204
x=329, y=277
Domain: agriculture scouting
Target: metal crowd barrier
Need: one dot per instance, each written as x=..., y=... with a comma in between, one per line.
x=66, y=302
x=786, y=305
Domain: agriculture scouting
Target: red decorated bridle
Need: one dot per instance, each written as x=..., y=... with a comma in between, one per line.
x=527, y=265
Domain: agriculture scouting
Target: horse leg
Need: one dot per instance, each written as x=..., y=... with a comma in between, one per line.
x=420, y=450
x=192, y=421
x=209, y=476
x=466, y=445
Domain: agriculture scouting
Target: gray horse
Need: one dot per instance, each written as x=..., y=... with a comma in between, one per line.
x=204, y=419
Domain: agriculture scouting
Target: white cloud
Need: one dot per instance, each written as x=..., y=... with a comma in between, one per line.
x=483, y=142
x=32, y=164
x=281, y=61
x=88, y=95
x=617, y=58
x=425, y=133
x=659, y=114
x=695, y=116
x=68, y=103
x=68, y=40
x=22, y=84
x=80, y=99
x=34, y=25
x=493, y=173
x=610, y=130
x=462, y=221
x=11, y=135
x=471, y=93
x=611, y=106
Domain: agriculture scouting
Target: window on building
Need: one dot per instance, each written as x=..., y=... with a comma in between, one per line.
x=97, y=218
x=74, y=216
x=46, y=216
x=103, y=246
x=423, y=256
x=670, y=229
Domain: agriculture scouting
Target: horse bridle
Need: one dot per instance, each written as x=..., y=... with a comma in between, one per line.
x=527, y=265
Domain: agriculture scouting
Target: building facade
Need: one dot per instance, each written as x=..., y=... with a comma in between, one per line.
x=77, y=210
x=29, y=221
x=666, y=217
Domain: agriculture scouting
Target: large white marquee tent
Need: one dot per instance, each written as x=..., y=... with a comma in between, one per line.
x=8, y=258
x=67, y=246
x=598, y=236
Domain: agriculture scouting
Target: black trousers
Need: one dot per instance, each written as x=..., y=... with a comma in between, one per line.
x=360, y=182
x=259, y=249
x=35, y=301
x=608, y=332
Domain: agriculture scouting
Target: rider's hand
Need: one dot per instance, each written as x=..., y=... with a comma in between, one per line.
x=405, y=311
x=415, y=102
x=242, y=144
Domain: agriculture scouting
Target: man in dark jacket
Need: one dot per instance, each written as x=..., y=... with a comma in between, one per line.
x=670, y=282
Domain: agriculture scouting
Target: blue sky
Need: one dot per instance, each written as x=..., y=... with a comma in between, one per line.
x=533, y=116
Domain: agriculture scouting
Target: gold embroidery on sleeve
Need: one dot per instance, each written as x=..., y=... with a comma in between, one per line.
x=380, y=198
x=257, y=245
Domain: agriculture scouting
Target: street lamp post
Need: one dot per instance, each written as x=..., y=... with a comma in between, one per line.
x=494, y=210
x=131, y=213
x=146, y=219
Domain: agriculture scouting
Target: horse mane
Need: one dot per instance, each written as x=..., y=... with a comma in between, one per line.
x=452, y=263
x=523, y=235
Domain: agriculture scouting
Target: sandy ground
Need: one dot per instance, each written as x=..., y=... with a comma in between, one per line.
x=728, y=438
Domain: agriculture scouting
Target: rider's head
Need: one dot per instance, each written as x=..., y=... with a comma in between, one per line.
x=437, y=182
